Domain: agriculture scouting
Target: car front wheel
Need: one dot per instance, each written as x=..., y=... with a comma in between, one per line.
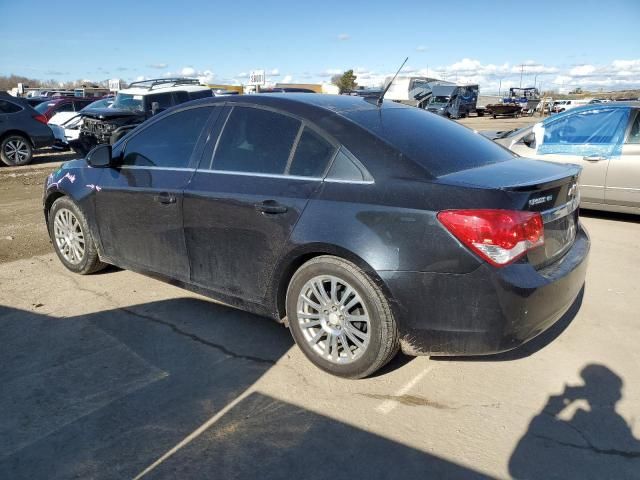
x=340, y=318
x=16, y=150
x=71, y=238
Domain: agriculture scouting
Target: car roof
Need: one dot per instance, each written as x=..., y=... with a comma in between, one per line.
x=340, y=104
x=163, y=89
x=590, y=107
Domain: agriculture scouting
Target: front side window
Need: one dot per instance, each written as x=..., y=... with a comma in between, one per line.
x=312, y=155
x=587, y=127
x=169, y=142
x=256, y=140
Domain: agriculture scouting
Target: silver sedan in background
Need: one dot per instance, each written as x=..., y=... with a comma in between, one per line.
x=604, y=139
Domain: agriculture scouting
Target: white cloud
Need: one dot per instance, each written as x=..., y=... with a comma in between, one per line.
x=582, y=70
x=159, y=66
x=287, y=79
x=344, y=36
x=421, y=48
x=626, y=65
x=188, y=71
x=274, y=72
x=243, y=75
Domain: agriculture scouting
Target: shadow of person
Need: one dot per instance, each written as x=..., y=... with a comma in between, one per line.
x=579, y=434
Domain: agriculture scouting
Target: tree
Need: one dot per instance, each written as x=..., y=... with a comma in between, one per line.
x=345, y=82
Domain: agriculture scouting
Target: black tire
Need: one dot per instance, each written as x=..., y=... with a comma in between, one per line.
x=90, y=262
x=9, y=153
x=383, y=341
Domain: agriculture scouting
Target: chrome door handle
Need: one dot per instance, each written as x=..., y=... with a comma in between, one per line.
x=165, y=198
x=594, y=158
x=270, y=207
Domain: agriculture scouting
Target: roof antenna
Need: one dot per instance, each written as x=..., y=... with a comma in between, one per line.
x=381, y=97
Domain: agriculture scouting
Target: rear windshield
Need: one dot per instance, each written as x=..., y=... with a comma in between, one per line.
x=440, y=145
x=44, y=106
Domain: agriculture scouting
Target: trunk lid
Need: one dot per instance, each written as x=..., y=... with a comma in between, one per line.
x=536, y=186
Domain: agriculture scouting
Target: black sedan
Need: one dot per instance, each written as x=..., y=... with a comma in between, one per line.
x=363, y=228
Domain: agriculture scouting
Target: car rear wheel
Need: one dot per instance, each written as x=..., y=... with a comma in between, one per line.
x=71, y=238
x=340, y=318
x=16, y=150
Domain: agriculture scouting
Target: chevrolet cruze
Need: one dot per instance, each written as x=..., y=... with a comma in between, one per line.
x=365, y=228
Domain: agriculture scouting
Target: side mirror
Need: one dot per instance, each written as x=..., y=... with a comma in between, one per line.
x=100, y=156
x=530, y=140
x=155, y=108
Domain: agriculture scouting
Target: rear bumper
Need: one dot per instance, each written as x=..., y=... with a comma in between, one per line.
x=44, y=139
x=487, y=311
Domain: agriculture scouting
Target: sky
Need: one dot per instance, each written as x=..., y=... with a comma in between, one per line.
x=562, y=44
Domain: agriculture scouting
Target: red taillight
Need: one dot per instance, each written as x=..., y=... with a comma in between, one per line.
x=40, y=118
x=498, y=236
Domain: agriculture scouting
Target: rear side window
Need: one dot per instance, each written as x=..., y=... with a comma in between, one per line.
x=200, y=94
x=8, y=107
x=346, y=169
x=256, y=140
x=169, y=142
x=441, y=146
x=634, y=133
x=312, y=155
x=165, y=100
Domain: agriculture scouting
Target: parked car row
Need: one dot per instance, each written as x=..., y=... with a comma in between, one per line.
x=22, y=129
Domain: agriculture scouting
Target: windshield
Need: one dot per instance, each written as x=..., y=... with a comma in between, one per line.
x=103, y=103
x=447, y=148
x=440, y=99
x=127, y=101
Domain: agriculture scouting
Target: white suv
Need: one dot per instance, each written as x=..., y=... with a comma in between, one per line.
x=134, y=105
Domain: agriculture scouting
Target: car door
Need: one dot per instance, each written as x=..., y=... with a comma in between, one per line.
x=587, y=137
x=244, y=200
x=139, y=203
x=623, y=178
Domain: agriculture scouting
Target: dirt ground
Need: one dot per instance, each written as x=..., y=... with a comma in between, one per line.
x=22, y=230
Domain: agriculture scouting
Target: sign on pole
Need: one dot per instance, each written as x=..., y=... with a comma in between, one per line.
x=114, y=84
x=256, y=77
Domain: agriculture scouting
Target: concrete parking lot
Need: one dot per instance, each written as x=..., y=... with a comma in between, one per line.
x=116, y=375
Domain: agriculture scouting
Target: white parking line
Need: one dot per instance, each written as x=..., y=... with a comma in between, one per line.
x=388, y=405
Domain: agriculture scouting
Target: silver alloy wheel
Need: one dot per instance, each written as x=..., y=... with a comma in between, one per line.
x=16, y=150
x=69, y=236
x=333, y=319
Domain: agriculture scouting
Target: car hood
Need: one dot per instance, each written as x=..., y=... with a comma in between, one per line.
x=106, y=113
